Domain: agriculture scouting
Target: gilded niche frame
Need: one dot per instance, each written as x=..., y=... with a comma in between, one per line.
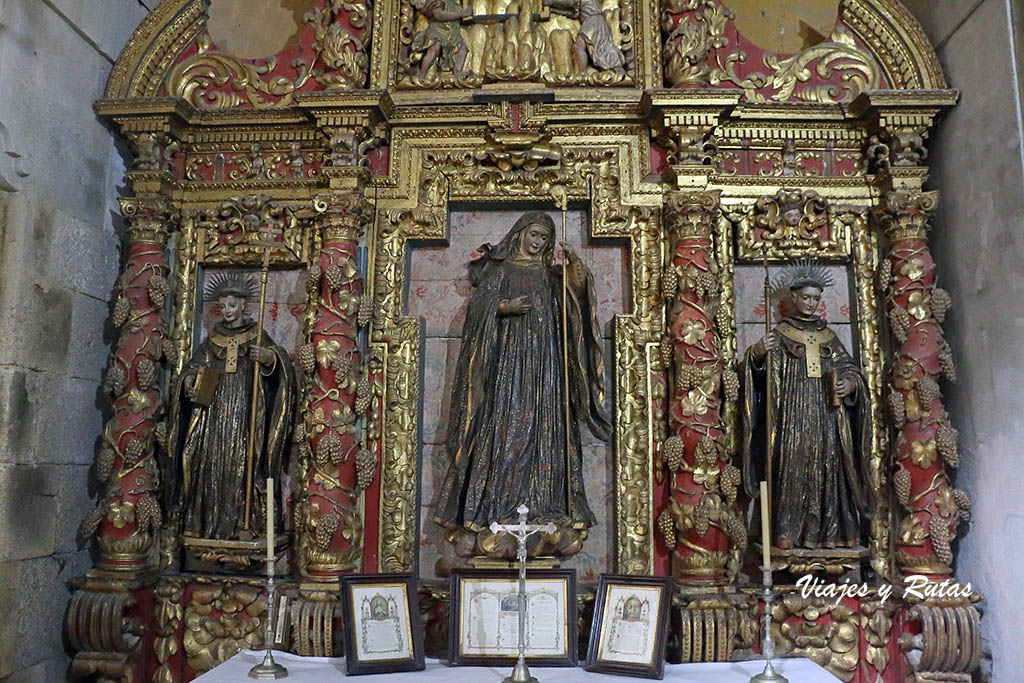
x=859, y=250
x=603, y=167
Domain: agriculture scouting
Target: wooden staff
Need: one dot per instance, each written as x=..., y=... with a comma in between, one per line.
x=565, y=362
x=250, y=455
x=769, y=381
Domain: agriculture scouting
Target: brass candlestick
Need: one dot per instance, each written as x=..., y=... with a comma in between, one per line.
x=268, y=669
x=769, y=675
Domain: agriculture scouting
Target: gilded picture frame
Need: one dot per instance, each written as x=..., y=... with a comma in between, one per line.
x=630, y=627
x=381, y=619
x=484, y=622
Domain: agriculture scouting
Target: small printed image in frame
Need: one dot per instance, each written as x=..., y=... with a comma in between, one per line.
x=484, y=617
x=382, y=623
x=631, y=615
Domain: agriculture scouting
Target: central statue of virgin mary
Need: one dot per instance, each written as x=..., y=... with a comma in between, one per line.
x=507, y=432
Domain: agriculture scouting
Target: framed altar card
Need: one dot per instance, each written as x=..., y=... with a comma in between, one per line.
x=631, y=616
x=382, y=623
x=484, y=617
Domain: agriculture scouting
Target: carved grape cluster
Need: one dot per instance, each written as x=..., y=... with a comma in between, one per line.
x=133, y=452
x=145, y=371
x=928, y=391
x=688, y=376
x=122, y=309
x=158, y=289
x=673, y=451
x=666, y=349
x=705, y=286
x=366, y=310
x=325, y=528
x=170, y=351
x=729, y=480
x=946, y=362
x=307, y=359
x=91, y=523
x=147, y=512
x=901, y=481
x=335, y=276
x=363, y=396
x=328, y=449
x=736, y=531
x=701, y=519
x=899, y=321
x=731, y=385
x=722, y=321
x=667, y=527
x=941, y=303
x=342, y=366
x=670, y=284
x=897, y=409
x=963, y=503
x=885, y=273
x=313, y=279
x=941, y=539
x=117, y=380
x=366, y=466
x=104, y=464
x=946, y=443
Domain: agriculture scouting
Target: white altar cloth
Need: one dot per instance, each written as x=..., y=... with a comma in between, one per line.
x=319, y=669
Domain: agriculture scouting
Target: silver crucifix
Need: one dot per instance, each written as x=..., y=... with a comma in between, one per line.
x=522, y=531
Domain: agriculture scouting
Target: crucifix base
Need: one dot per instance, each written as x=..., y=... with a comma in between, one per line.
x=562, y=543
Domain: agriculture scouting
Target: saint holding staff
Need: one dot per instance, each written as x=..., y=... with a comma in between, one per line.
x=509, y=438
x=806, y=422
x=215, y=401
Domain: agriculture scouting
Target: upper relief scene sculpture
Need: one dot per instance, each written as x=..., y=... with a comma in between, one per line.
x=447, y=43
x=518, y=398
x=807, y=422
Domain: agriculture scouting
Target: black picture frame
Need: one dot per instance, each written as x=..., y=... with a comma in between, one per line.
x=403, y=614
x=506, y=581
x=649, y=660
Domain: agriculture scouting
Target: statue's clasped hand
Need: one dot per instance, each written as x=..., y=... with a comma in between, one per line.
x=263, y=355
x=517, y=306
x=845, y=387
x=570, y=253
x=768, y=342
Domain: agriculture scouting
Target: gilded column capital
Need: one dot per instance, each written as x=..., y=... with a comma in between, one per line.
x=691, y=214
x=906, y=215
x=343, y=215
x=150, y=219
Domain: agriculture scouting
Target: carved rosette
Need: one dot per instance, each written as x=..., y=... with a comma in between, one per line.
x=128, y=515
x=700, y=526
x=335, y=466
x=926, y=441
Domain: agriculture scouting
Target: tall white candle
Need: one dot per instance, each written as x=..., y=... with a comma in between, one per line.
x=270, y=518
x=766, y=534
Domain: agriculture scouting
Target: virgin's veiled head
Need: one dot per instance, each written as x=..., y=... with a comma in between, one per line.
x=514, y=245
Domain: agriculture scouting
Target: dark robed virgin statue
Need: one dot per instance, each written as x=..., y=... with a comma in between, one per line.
x=507, y=435
x=814, y=422
x=211, y=416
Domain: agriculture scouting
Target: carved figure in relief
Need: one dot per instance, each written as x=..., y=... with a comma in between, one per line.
x=507, y=435
x=441, y=41
x=594, y=38
x=806, y=409
x=213, y=403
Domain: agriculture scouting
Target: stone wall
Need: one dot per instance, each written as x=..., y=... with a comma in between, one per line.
x=59, y=257
x=979, y=246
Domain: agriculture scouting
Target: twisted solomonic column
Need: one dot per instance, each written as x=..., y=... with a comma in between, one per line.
x=700, y=525
x=335, y=466
x=926, y=443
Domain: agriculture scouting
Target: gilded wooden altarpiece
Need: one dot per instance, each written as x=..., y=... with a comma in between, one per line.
x=706, y=153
